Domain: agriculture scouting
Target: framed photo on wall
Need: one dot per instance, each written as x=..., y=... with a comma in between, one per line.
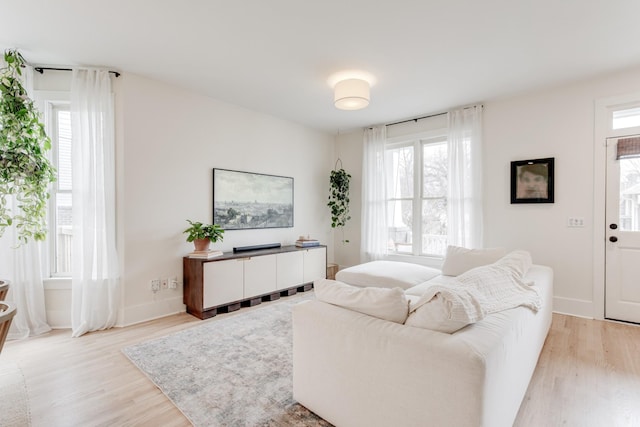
x=532, y=181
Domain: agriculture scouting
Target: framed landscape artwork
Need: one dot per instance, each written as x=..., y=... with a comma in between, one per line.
x=532, y=181
x=245, y=200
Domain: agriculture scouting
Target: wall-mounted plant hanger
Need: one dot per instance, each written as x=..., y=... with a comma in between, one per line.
x=339, y=197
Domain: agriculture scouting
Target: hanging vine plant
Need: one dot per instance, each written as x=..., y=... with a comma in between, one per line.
x=25, y=170
x=339, y=198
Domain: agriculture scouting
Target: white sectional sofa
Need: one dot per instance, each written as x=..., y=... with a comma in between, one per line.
x=353, y=369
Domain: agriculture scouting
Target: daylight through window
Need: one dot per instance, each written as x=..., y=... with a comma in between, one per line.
x=417, y=190
x=61, y=220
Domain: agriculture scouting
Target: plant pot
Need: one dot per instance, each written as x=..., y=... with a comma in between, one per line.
x=202, y=244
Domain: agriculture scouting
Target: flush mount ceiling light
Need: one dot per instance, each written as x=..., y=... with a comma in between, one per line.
x=351, y=94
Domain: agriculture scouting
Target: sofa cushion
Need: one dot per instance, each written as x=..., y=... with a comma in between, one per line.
x=386, y=274
x=433, y=315
x=517, y=261
x=383, y=303
x=458, y=259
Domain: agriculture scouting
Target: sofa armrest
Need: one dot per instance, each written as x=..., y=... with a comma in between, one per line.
x=355, y=370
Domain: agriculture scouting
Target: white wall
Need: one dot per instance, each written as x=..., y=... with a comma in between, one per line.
x=168, y=140
x=556, y=122
x=349, y=151
x=172, y=140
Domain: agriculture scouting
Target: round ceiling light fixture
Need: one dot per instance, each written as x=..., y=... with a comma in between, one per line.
x=351, y=94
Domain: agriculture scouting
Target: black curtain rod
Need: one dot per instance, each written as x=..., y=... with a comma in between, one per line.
x=416, y=119
x=41, y=70
x=426, y=117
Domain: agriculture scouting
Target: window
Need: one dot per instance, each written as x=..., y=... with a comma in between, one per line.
x=627, y=118
x=60, y=226
x=417, y=197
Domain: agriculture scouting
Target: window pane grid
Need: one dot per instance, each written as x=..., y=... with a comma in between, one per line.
x=417, y=197
x=61, y=225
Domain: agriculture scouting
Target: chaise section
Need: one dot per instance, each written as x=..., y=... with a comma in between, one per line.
x=386, y=274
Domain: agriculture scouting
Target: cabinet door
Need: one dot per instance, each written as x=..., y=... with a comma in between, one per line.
x=222, y=282
x=290, y=269
x=315, y=264
x=259, y=275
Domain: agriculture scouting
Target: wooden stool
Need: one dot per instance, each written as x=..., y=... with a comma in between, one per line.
x=332, y=269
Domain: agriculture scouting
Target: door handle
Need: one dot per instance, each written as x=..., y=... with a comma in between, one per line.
x=613, y=239
x=613, y=226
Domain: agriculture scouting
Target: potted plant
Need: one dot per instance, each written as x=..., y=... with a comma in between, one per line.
x=25, y=170
x=339, y=198
x=203, y=234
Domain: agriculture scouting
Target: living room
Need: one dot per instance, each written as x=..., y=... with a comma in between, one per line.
x=170, y=135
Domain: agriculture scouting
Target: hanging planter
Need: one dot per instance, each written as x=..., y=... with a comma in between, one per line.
x=25, y=170
x=339, y=198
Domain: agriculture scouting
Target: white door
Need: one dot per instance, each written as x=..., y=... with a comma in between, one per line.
x=622, y=292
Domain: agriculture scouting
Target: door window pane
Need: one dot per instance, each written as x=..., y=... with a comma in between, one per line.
x=628, y=118
x=629, y=194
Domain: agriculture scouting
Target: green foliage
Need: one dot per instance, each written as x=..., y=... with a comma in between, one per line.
x=339, y=198
x=198, y=230
x=25, y=170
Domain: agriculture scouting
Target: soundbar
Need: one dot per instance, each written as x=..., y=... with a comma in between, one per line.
x=256, y=247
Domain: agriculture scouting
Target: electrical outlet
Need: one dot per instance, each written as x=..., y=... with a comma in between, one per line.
x=575, y=222
x=155, y=285
x=173, y=283
x=164, y=284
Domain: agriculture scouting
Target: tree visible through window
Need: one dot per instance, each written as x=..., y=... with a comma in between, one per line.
x=417, y=197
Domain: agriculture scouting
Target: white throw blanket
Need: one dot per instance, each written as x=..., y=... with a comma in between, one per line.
x=482, y=291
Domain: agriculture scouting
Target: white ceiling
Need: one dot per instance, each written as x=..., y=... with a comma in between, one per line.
x=275, y=56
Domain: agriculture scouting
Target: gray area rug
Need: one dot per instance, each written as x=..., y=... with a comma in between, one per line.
x=14, y=400
x=233, y=371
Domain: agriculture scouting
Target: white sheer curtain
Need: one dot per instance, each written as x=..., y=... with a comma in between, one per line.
x=465, y=177
x=22, y=266
x=95, y=293
x=374, y=195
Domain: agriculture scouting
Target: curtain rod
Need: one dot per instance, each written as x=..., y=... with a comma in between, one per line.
x=41, y=70
x=416, y=119
x=429, y=116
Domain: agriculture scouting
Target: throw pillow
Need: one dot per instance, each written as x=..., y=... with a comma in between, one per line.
x=458, y=259
x=383, y=303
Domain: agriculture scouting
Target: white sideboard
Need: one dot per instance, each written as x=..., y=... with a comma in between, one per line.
x=227, y=282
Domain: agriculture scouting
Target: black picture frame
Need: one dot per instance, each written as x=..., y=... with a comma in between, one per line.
x=532, y=181
x=247, y=200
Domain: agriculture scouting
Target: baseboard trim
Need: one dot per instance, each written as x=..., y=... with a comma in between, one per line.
x=152, y=310
x=573, y=307
x=59, y=319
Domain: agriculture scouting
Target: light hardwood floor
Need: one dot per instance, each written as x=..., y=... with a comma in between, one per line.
x=588, y=375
